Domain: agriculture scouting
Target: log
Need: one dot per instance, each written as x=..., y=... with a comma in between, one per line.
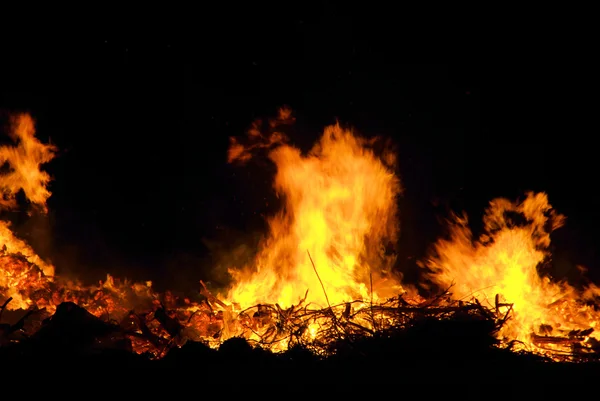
x=554, y=340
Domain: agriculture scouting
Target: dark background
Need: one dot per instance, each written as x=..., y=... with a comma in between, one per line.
x=142, y=115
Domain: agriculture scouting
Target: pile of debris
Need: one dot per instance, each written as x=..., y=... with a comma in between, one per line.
x=67, y=318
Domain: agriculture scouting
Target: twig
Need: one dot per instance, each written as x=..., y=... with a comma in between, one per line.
x=373, y=322
x=211, y=297
x=507, y=315
x=436, y=299
x=4, y=306
x=472, y=293
x=317, y=273
x=21, y=322
x=358, y=326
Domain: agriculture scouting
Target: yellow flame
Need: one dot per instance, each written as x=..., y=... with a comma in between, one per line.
x=504, y=261
x=339, y=209
x=23, y=161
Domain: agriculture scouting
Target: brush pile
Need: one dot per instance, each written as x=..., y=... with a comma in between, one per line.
x=134, y=320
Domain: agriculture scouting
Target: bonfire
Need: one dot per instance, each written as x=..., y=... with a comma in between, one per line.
x=322, y=274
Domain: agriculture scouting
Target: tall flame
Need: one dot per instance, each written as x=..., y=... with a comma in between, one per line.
x=339, y=211
x=505, y=261
x=23, y=161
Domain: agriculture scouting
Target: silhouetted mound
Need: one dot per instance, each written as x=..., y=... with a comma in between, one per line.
x=71, y=336
x=427, y=338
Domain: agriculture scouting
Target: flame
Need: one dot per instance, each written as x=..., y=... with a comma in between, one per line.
x=29, y=283
x=326, y=248
x=505, y=261
x=23, y=162
x=339, y=210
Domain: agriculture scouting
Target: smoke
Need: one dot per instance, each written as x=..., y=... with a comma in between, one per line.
x=230, y=247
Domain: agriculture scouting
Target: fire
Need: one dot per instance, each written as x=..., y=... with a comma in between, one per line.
x=23, y=161
x=339, y=211
x=24, y=277
x=324, y=268
x=501, y=270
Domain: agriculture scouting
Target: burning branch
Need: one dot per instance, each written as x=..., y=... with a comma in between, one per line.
x=204, y=291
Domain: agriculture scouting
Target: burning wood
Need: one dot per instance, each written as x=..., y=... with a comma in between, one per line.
x=156, y=331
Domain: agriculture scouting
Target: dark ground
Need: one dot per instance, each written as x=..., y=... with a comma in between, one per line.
x=432, y=358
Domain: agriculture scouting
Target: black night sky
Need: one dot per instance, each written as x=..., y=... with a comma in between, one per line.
x=142, y=118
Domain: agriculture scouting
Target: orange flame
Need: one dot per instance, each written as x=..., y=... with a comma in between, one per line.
x=504, y=261
x=23, y=161
x=339, y=211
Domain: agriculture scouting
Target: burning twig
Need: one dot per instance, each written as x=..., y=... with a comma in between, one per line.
x=4, y=305
x=277, y=328
x=373, y=322
x=21, y=322
x=438, y=298
x=204, y=291
x=317, y=273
